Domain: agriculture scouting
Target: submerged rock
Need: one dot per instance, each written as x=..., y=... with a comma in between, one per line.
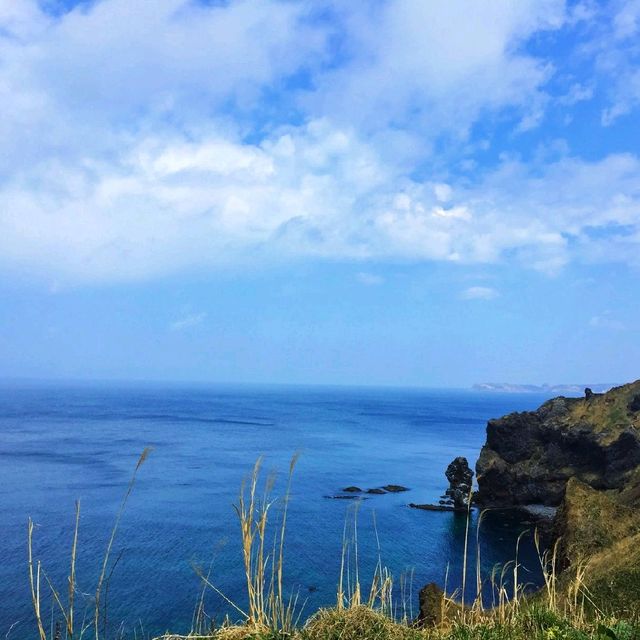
x=388, y=488
x=437, y=507
x=394, y=488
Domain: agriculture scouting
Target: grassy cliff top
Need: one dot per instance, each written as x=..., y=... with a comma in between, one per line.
x=611, y=412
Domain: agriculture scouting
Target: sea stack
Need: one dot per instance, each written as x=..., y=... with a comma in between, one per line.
x=460, y=478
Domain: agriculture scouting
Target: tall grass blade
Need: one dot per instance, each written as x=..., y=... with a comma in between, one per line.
x=105, y=562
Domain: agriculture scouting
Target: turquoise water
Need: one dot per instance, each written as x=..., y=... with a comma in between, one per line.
x=62, y=443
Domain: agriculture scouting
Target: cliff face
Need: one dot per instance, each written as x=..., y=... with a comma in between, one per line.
x=583, y=456
x=529, y=457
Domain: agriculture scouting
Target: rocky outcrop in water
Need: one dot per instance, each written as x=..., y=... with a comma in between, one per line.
x=458, y=495
x=353, y=492
x=437, y=507
x=529, y=457
x=395, y=488
x=578, y=459
x=460, y=478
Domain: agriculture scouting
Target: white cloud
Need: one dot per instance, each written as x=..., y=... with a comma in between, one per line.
x=617, y=57
x=139, y=139
x=369, y=279
x=417, y=62
x=606, y=320
x=577, y=93
x=479, y=293
x=167, y=204
x=443, y=192
x=626, y=21
x=188, y=321
x=76, y=86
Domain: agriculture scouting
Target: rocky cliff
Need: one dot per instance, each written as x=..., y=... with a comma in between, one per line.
x=581, y=455
x=529, y=457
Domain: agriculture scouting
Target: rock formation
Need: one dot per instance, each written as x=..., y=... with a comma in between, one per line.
x=388, y=488
x=458, y=495
x=581, y=455
x=460, y=478
x=395, y=488
x=529, y=457
x=431, y=602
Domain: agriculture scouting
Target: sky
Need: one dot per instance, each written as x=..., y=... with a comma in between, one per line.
x=372, y=192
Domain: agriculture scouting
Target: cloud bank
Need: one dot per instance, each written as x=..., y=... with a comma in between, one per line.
x=143, y=139
x=479, y=293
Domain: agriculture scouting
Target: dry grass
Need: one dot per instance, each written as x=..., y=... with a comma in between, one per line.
x=269, y=607
x=356, y=623
x=593, y=521
x=350, y=592
x=606, y=413
x=67, y=611
x=564, y=609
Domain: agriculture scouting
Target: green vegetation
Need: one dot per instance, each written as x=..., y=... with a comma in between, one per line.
x=596, y=597
x=607, y=413
x=592, y=521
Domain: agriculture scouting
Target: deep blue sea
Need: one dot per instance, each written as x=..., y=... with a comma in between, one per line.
x=62, y=443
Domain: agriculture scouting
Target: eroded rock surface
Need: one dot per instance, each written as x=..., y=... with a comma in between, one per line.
x=460, y=479
x=431, y=601
x=529, y=457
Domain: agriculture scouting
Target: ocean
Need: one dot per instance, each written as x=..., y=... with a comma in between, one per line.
x=62, y=443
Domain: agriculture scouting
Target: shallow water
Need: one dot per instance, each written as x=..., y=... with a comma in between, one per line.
x=62, y=443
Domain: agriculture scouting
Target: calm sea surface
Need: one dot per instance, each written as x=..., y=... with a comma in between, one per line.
x=59, y=444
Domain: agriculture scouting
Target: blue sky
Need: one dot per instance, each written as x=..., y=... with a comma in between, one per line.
x=364, y=192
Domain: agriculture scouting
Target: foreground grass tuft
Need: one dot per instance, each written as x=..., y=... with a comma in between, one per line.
x=354, y=624
x=363, y=623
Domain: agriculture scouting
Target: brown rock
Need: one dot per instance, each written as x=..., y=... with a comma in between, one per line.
x=431, y=600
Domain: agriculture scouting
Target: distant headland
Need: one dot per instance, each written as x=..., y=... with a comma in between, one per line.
x=555, y=389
